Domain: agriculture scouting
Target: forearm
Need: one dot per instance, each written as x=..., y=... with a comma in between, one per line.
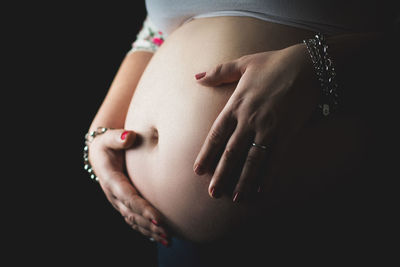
x=112, y=111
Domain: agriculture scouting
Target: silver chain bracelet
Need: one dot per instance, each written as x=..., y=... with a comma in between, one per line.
x=88, y=139
x=326, y=74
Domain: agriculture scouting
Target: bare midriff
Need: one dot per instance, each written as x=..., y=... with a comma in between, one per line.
x=172, y=115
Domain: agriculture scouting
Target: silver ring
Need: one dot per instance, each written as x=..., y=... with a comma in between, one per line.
x=152, y=239
x=260, y=146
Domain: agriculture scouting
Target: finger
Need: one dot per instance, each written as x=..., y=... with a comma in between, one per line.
x=214, y=143
x=153, y=237
x=111, y=181
x=137, y=219
x=150, y=234
x=254, y=166
x=162, y=238
x=118, y=188
x=221, y=74
x=157, y=229
x=119, y=139
x=231, y=162
x=142, y=225
x=130, y=198
x=157, y=238
x=144, y=231
x=115, y=182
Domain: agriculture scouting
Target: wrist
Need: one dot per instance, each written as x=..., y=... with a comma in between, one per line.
x=300, y=56
x=89, y=137
x=325, y=72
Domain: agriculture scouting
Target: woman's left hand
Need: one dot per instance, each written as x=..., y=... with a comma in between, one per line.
x=276, y=93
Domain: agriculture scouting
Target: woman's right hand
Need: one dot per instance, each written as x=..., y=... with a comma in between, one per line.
x=106, y=155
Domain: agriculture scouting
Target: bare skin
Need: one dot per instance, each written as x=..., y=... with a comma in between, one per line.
x=172, y=113
x=106, y=152
x=280, y=42
x=270, y=91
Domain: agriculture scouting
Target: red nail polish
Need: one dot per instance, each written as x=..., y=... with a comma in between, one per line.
x=214, y=193
x=236, y=197
x=165, y=243
x=198, y=170
x=200, y=75
x=163, y=235
x=124, y=134
x=154, y=222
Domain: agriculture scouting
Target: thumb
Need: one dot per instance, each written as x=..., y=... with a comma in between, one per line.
x=223, y=73
x=119, y=139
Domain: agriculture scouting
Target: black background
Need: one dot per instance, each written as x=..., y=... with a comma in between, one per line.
x=61, y=59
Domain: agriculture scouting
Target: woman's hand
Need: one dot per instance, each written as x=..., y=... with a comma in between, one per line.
x=275, y=96
x=106, y=155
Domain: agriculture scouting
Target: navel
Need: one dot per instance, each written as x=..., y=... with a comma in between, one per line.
x=154, y=136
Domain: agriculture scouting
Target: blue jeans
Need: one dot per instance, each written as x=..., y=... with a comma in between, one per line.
x=183, y=253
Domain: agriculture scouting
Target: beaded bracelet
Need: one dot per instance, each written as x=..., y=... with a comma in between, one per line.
x=326, y=74
x=88, y=139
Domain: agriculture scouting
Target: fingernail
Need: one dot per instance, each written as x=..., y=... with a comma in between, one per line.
x=214, y=193
x=124, y=134
x=236, y=197
x=165, y=243
x=163, y=235
x=199, y=170
x=154, y=222
x=200, y=75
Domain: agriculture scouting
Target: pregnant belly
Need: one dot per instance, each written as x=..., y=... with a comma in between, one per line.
x=172, y=114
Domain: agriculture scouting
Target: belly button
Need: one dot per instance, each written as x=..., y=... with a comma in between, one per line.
x=154, y=136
